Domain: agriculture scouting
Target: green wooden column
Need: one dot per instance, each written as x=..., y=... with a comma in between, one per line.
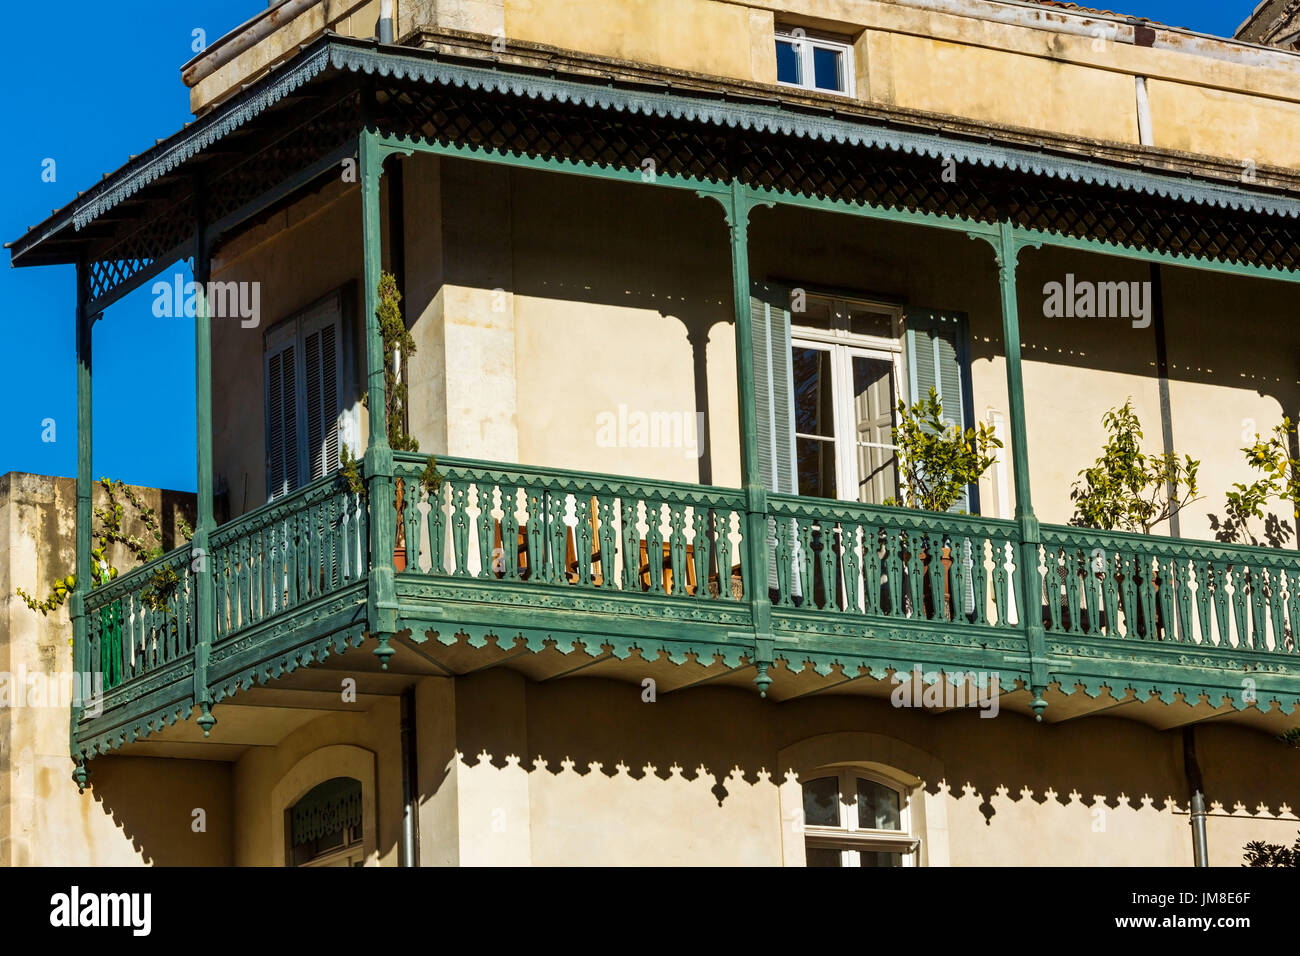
x=737, y=204
x=85, y=513
x=201, y=558
x=1007, y=249
x=382, y=606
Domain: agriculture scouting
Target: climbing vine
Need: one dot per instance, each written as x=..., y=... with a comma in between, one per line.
x=109, y=530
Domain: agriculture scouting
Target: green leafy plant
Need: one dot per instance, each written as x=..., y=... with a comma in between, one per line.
x=1280, y=481
x=398, y=342
x=938, y=459
x=1259, y=853
x=352, y=471
x=1127, y=489
x=110, y=530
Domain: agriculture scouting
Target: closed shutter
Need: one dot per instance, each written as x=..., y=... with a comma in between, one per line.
x=281, y=418
x=773, y=386
x=323, y=379
x=304, y=391
x=774, y=405
x=937, y=357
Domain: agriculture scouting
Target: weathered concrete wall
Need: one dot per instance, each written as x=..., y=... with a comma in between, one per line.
x=349, y=18
x=120, y=820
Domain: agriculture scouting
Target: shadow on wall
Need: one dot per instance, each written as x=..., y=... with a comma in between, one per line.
x=662, y=252
x=574, y=240
x=730, y=739
x=174, y=812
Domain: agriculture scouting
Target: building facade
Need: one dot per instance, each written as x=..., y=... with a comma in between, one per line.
x=668, y=269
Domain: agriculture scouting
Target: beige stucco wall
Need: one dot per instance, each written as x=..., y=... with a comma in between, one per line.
x=119, y=821
x=268, y=780
x=298, y=255
x=697, y=777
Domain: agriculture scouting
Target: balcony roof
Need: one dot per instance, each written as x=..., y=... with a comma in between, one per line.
x=106, y=221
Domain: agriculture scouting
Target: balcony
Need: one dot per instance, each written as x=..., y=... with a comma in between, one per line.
x=551, y=571
x=509, y=560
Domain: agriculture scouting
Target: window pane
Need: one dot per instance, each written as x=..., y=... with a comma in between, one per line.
x=816, y=466
x=874, y=858
x=813, y=405
x=873, y=412
x=820, y=856
x=816, y=313
x=787, y=62
x=821, y=803
x=877, y=807
x=865, y=322
x=828, y=73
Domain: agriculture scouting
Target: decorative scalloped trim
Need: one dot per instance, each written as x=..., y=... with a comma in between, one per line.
x=774, y=120
x=138, y=729
x=313, y=652
x=227, y=120
x=1169, y=693
x=622, y=648
x=333, y=53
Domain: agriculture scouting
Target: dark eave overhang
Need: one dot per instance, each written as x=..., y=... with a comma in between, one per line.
x=694, y=100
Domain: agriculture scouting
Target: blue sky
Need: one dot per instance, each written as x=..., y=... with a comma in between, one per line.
x=87, y=88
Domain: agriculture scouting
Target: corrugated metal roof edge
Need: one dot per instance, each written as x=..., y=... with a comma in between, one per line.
x=367, y=56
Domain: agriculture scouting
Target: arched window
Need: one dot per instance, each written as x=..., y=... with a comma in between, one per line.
x=855, y=818
x=325, y=826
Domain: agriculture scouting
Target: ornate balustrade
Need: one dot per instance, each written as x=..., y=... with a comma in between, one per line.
x=287, y=554
x=843, y=558
x=143, y=620
x=1128, y=587
x=568, y=529
x=610, y=564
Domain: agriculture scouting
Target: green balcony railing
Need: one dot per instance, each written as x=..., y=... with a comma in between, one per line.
x=580, y=559
x=288, y=553
x=1138, y=587
x=583, y=531
x=280, y=560
x=143, y=620
x=844, y=558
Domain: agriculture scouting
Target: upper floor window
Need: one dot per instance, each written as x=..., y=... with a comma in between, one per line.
x=813, y=62
x=846, y=371
x=303, y=368
x=852, y=818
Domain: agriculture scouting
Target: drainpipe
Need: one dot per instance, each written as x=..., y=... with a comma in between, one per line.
x=1195, y=787
x=410, y=773
x=385, y=21
x=208, y=62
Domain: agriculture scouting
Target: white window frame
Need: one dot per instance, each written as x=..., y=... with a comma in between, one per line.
x=804, y=44
x=843, y=346
x=848, y=837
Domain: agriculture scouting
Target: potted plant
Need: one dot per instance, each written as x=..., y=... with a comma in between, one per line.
x=1128, y=490
x=937, y=461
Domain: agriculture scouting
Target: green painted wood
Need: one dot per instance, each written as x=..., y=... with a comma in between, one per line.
x=206, y=608
x=85, y=485
x=381, y=493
